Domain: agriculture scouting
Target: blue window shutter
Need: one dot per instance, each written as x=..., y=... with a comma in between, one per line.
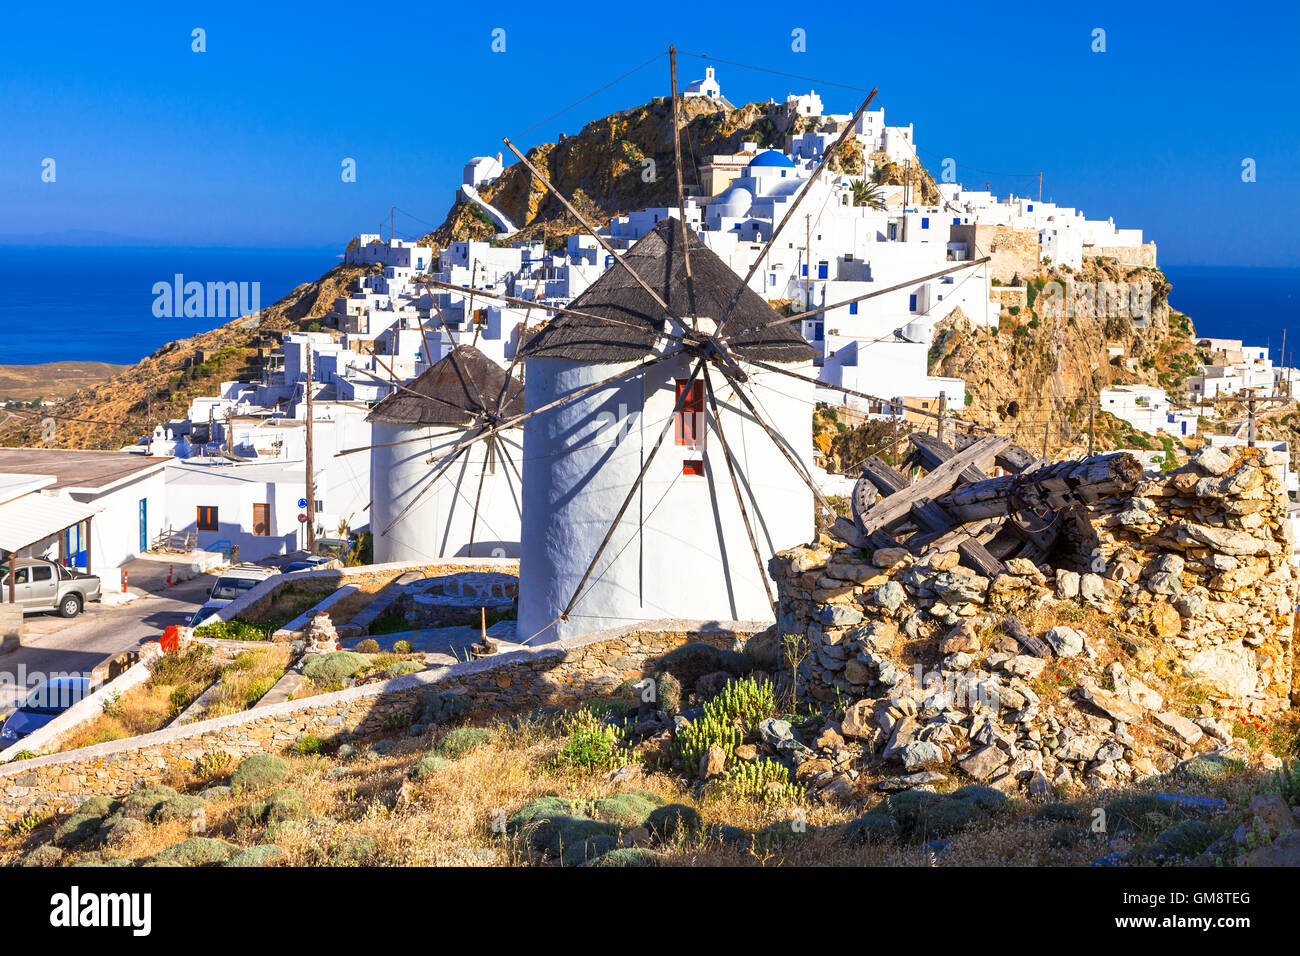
x=911, y=303
x=853, y=308
x=925, y=222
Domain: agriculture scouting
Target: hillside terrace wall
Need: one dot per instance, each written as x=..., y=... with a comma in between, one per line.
x=1194, y=567
x=558, y=673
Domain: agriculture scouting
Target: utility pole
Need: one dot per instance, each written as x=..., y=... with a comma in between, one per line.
x=1251, y=402
x=230, y=431
x=1092, y=437
x=1047, y=428
x=943, y=408
x=311, y=477
x=907, y=176
x=392, y=209
x=1040, y=187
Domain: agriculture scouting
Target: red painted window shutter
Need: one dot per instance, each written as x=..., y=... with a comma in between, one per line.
x=690, y=420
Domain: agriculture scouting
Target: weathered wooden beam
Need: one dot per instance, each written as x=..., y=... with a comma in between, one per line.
x=929, y=517
x=932, y=453
x=1013, y=458
x=938, y=481
x=1026, y=640
x=1050, y=487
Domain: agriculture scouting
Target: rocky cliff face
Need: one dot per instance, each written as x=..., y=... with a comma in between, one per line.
x=603, y=170
x=1035, y=373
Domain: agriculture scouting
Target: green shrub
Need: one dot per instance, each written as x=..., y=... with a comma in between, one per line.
x=402, y=667
x=266, y=855
x=625, y=809
x=310, y=744
x=592, y=745
x=237, y=629
x=403, y=647
x=324, y=669
x=461, y=741
x=1067, y=837
x=579, y=854
x=1058, y=813
x=282, y=805
x=368, y=646
x=259, y=771
x=628, y=856
x=143, y=804
x=1287, y=781
x=1137, y=813
x=1183, y=840
x=427, y=766
x=668, y=693
x=47, y=854
x=196, y=851
x=97, y=807
x=76, y=830
x=697, y=736
x=746, y=699
x=180, y=807
x=871, y=828
x=944, y=818
x=763, y=780
x=548, y=824
x=668, y=821
x=986, y=798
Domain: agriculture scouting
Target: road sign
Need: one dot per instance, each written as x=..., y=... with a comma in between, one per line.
x=302, y=519
x=302, y=502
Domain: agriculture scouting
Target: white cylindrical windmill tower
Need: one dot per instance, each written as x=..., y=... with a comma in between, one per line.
x=681, y=548
x=472, y=507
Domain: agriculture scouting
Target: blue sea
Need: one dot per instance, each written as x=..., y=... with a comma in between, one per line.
x=97, y=303
x=1229, y=302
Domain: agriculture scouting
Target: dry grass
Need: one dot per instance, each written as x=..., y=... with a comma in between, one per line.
x=176, y=682
x=456, y=816
x=251, y=675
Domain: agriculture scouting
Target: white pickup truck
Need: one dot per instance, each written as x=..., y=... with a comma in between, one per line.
x=41, y=585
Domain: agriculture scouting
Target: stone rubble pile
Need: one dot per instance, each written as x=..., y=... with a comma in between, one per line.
x=1167, y=619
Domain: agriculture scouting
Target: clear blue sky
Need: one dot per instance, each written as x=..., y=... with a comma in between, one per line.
x=242, y=145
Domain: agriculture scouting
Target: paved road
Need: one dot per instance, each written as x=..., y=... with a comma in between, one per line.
x=56, y=645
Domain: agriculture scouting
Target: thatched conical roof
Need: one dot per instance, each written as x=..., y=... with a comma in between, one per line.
x=656, y=257
x=454, y=391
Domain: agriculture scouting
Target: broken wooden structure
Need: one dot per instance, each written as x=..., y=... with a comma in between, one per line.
x=957, y=506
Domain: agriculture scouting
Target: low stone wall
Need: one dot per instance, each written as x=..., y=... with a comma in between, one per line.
x=1194, y=566
x=327, y=581
x=559, y=673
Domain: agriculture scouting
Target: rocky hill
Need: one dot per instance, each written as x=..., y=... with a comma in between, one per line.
x=1035, y=373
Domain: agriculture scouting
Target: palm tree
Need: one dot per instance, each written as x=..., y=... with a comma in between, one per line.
x=871, y=195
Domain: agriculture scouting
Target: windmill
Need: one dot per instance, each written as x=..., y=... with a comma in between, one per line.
x=619, y=525
x=420, y=518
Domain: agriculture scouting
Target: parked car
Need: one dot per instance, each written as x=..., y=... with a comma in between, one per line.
x=46, y=701
x=306, y=564
x=41, y=585
x=233, y=582
x=205, y=612
x=334, y=547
